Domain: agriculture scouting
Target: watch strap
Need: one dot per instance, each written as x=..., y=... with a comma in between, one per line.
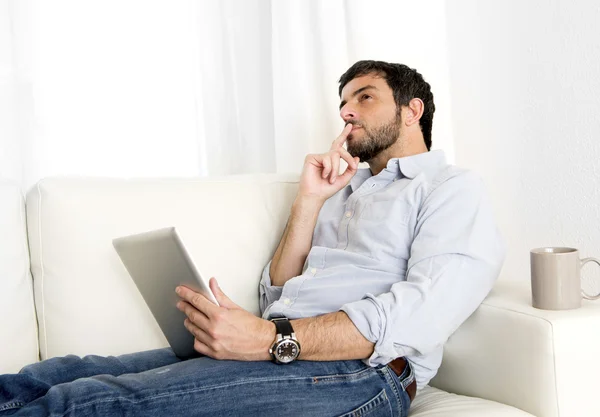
x=283, y=326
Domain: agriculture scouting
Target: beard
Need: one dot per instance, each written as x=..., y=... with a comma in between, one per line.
x=375, y=140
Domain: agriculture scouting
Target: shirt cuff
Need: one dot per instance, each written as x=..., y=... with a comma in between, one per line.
x=268, y=293
x=369, y=318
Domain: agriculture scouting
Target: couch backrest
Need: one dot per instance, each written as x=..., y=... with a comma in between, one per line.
x=18, y=338
x=86, y=301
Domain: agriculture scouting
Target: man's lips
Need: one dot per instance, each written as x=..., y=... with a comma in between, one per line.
x=355, y=128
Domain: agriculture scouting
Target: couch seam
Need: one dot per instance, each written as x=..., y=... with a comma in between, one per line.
x=516, y=311
x=42, y=269
x=29, y=273
x=553, y=346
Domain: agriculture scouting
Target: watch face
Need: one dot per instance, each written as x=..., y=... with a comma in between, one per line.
x=286, y=351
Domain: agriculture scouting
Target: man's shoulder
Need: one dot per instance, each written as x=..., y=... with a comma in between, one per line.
x=454, y=173
x=454, y=180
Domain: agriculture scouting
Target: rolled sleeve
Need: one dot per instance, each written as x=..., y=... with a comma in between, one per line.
x=456, y=256
x=268, y=293
x=366, y=316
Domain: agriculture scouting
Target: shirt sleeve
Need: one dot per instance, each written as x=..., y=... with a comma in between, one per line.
x=268, y=293
x=456, y=256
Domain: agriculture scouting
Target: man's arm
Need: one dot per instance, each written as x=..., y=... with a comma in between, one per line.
x=296, y=241
x=455, y=258
x=452, y=268
x=331, y=337
x=320, y=180
x=230, y=332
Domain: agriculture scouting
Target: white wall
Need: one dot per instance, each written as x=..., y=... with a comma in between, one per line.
x=525, y=86
x=90, y=101
x=411, y=33
x=10, y=150
x=185, y=88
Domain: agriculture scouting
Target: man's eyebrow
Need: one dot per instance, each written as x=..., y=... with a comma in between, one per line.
x=360, y=90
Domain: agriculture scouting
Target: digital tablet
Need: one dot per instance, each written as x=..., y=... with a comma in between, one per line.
x=158, y=262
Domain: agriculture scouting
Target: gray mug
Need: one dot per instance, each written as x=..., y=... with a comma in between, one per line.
x=556, y=278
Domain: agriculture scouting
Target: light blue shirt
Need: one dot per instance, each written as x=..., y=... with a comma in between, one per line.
x=408, y=254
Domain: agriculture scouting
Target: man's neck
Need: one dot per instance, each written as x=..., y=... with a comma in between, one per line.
x=402, y=148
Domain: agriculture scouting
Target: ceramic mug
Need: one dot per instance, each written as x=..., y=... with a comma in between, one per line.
x=556, y=278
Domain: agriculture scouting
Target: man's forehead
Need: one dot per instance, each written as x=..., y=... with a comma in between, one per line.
x=364, y=81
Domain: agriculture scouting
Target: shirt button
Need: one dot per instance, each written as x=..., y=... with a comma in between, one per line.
x=287, y=301
x=348, y=214
x=313, y=271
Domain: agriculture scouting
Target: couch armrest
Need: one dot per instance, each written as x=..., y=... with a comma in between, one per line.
x=543, y=362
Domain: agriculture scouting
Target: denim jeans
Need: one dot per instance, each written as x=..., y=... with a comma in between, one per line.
x=157, y=383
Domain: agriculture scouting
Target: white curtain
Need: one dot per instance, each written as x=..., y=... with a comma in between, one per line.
x=148, y=88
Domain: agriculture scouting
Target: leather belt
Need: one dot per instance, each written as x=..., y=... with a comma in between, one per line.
x=398, y=365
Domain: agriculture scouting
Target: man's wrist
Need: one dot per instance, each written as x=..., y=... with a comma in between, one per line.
x=307, y=202
x=267, y=339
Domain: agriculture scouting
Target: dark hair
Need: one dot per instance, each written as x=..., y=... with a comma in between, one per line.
x=406, y=83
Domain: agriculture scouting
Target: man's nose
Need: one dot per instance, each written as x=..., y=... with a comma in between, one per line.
x=348, y=113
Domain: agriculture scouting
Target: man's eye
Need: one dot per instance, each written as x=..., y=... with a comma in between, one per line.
x=366, y=96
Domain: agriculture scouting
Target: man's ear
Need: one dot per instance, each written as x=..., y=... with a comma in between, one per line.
x=413, y=112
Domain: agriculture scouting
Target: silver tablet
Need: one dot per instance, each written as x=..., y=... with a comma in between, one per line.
x=158, y=262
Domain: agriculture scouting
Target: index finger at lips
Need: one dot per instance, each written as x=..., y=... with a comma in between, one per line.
x=342, y=137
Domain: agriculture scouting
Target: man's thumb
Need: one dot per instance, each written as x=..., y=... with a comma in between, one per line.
x=223, y=300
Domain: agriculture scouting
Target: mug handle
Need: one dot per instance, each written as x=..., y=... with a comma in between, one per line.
x=583, y=293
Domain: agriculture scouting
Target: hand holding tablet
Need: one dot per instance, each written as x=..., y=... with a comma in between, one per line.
x=158, y=262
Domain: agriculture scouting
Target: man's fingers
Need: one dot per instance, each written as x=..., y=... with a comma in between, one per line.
x=348, y=158
x=349, y=173
x=220, y=296
x=197, y=300
x=194, y=315
x=204, y=344
x=335, y=166
x=339, y=141
x=202, y=348
x=326, y=166
x=197, y=332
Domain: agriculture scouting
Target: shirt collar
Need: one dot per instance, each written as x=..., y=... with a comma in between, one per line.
x=413, y=165
x=409, y=166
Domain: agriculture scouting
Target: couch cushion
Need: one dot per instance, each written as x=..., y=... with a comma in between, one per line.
x=432, y=402
x=18, y=336
x=87, y=303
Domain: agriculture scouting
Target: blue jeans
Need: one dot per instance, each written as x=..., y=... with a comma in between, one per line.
x=157, y=383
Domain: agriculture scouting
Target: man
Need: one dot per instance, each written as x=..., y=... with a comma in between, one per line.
x=375, y=270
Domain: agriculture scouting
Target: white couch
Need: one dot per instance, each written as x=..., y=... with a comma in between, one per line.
x=508, y=359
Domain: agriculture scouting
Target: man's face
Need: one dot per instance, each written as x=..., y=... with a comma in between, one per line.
x=368, y=103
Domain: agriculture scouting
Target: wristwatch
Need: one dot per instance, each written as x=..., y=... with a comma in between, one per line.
x=286, y=348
